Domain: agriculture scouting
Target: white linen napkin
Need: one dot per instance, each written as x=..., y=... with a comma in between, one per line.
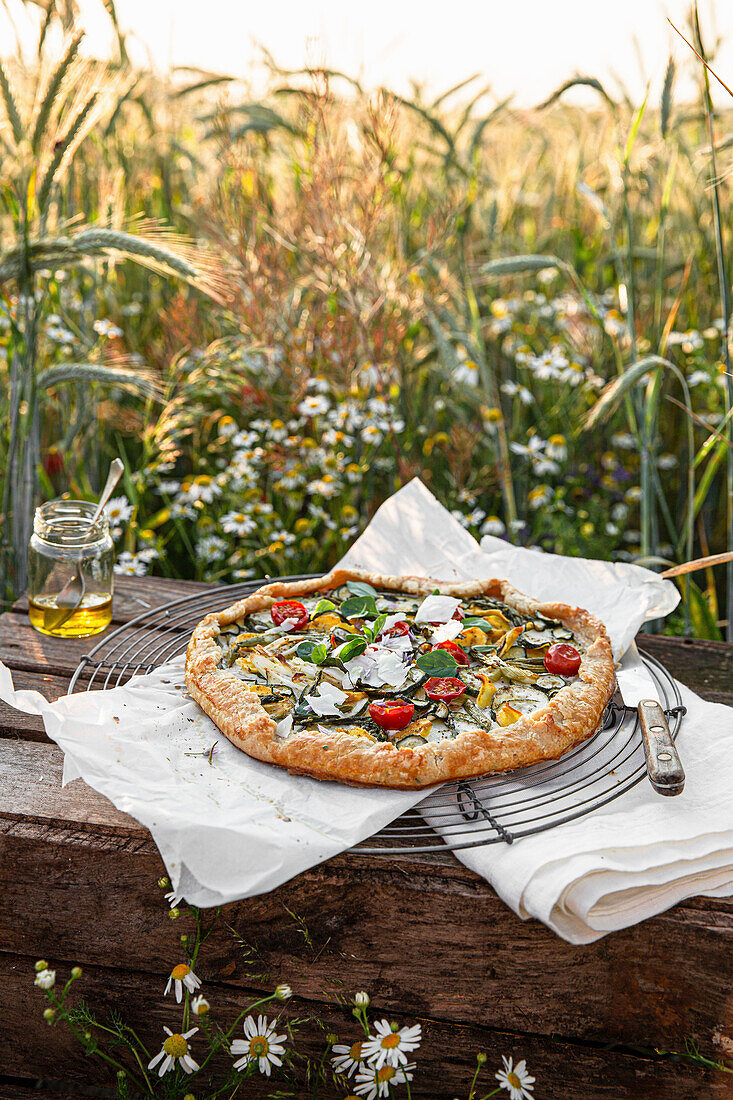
x=641, y=853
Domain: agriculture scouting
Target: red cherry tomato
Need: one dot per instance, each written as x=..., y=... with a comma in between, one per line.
x=398, y=630
x=392, y=716
x=459, y=655
x=289, y=609
x=562, y=659
x=444, y=689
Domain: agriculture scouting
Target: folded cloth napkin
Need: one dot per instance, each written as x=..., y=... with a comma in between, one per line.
x=639, y=854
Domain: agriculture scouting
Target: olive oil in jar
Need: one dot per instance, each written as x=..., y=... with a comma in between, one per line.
x=70, y=570
x=92, y=615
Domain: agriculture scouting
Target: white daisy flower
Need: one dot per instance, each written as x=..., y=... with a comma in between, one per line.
x=346, y=1059
x=105, y=327
x=237, y=523
x=493, y=526
x=515, y=1080
x=179, y=976
x=118, y=510
x=372, y=1082
x=314, y=405
x=45, y=979
x=361, y=999
x=199, y=1005
x=173, y=899
x=131, y=565
x=391, y=1047
x=283, y=992
x=261, y=1045
x=175, y=1049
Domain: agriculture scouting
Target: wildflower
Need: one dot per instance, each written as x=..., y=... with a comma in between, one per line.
x=179, y=976
x=261, y=1045
x=515, y=1079
x=211, y=548
x=372, y=1082
x=391, y=1046
x=168, y=488
x=557, y=448
x=513, y=389
x=45, y=979
x=698, y=376
x=492, y=526
x=203, y=488
x=619, y=511
x=105, y=327
x=199, y=1005
x=318, y=384
x=173, y=899
x=540, y=495
x=624, y=441
x=283, y=992
x=118, y=510
x=237, y=523
x=130, y=565
x=326, y=486
x=314, y=405
x=362, y=999
x=227, y=427
x=346, y=1059
x=667, y=461
x=533, y=449
x=175, y=1049
x=371, y=434
x=467, y=373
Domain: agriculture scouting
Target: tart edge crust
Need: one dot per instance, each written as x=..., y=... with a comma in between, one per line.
x=571, y=716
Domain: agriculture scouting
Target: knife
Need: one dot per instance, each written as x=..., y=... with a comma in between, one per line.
x=639, y=693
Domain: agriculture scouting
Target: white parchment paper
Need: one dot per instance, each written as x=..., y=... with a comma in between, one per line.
x=235, y=827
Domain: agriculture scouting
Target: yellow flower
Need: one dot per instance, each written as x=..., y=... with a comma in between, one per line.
x=349, y=511
x=301, y=525
x=587, y=530
x=203, y=479
x=493, y=415
x=558, y=440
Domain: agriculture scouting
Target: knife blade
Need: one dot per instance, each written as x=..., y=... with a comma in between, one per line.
x=639, y=692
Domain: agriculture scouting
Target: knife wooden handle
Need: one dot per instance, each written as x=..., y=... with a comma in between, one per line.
x=662, y=760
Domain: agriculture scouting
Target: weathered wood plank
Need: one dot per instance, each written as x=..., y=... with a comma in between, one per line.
x=134, y=595
x=706, y=667
x=372, y=923
x=446, y=1059
x=29, y=727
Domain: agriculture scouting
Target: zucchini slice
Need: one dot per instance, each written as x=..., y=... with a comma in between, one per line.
x=520, y=696
x=412, y=741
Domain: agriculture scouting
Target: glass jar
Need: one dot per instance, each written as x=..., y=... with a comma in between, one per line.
x=70, y=575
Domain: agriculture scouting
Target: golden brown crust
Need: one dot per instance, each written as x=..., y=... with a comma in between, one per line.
x=571, y=716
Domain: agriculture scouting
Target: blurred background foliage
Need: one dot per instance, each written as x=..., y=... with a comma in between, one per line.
x=522, y=307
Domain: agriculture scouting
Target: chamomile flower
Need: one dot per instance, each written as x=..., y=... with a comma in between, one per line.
x=179, y=976
x=390, y=1046
x=118, y=510
x=346, y=1059
x=493, y=526
x=515, y=1079
x=373, y=1083
x=283, y=992
x=315, y=404
x=361, y=999
x=260, y=1045
x=131, y=565
x=199, y=1005
x=202, y=488
x=104, y=327
x=175, y=1049
x=237, y=523
x=45, y=979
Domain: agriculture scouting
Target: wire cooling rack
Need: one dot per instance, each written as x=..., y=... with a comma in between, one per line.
x=496, y=809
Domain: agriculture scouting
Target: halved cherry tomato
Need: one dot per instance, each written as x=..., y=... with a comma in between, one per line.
x=398, y=630
x=290, y=609
x=444, y=689
x=392, y=716
x=459, y=655
x=562, y=659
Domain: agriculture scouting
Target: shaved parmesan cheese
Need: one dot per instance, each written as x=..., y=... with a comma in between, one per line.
x=288, y=624
x=379, y=667
x=284, y=726
x=446, y=632
x=437, y=609
x=326, y=699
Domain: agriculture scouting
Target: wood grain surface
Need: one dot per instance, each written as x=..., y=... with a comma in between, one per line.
x=429, y=939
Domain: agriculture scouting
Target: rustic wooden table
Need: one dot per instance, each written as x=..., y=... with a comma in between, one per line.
x=426, y=937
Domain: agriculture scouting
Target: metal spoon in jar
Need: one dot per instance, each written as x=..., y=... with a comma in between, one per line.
x=71, y=595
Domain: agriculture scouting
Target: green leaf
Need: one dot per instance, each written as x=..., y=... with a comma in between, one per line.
x=518, y=265
x=361, y=588
x=472, y=620
x=306, y=649
x=352, y=649
x=359, y=607
x=438, y=662
x=322, y=606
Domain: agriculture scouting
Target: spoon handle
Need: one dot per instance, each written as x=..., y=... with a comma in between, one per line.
x=114, y=475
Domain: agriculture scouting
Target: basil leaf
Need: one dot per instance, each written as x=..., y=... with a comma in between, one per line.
x=312, y=651
x=473, y=620
x=361, y=588
x=359, y=607
x=437, y=662
x=322, y=606
x=352, y=649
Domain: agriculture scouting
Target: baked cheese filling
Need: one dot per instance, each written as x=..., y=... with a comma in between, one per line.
x=387, y=666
